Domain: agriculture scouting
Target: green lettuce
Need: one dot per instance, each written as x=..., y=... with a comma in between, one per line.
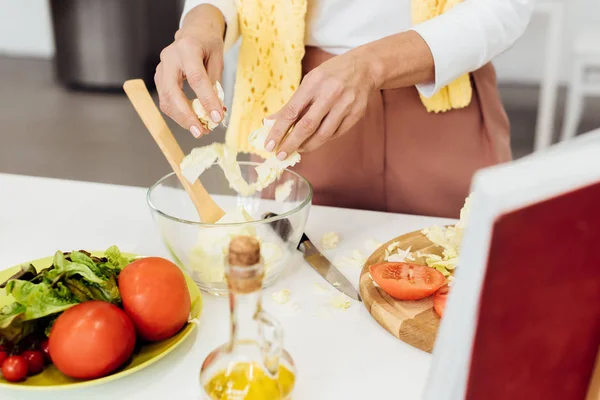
x=13, y=327
x=72, y=278
x=80, y=265
x=26, y=273
x=116, y=260
x=42, y=299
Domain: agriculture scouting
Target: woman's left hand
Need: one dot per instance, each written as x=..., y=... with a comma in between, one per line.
x=330, y=100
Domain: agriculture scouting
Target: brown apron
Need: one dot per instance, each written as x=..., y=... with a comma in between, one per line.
x=400, y=158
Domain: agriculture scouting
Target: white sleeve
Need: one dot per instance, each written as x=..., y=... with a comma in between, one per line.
x=228, y=9
x=470, y=35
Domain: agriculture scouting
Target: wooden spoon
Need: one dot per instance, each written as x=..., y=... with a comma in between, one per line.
x=138, y=94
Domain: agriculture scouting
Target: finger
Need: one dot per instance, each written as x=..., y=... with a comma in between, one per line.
x=173, y=101
x=214, y=67
x=158, y=75
x=286, y=117
x=305, y=128
x=193, y=67
x=327, y=131
x=347, y=124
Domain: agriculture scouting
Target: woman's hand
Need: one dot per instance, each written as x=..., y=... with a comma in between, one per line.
x=330, y=100
x=196, y=55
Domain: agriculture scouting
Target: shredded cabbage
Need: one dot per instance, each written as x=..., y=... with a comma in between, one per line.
x=201, y=158
x=449, y=238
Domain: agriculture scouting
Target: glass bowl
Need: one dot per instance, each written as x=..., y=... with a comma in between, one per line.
x=200, y=249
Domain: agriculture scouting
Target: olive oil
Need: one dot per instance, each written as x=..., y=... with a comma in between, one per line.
x=253, y=365
x=250, y=382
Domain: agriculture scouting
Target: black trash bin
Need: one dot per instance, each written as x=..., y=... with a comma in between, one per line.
x=101, y=43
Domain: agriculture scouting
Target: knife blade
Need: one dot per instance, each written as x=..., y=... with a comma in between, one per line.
x=326, y=269
x=315, y=259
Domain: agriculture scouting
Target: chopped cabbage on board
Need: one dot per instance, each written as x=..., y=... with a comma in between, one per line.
x=449, y=238
x=400, y=256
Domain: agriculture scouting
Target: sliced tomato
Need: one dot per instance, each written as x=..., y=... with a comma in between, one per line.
x=406, y=281
x=439, y=300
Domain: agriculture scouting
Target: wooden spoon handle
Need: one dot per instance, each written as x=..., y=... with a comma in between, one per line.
x=138, y=95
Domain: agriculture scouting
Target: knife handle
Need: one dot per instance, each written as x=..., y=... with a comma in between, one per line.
x=283, y=227
x=303, y=241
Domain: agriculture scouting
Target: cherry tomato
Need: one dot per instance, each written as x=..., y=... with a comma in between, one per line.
x=14, y=368
x=44, y=349
x=91, y=340
x=439, y=300
x=35, y=361
x=155, y=296
x=405, y=281
x=3, y=356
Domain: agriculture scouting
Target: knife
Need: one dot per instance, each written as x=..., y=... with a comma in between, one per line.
x=316, y=260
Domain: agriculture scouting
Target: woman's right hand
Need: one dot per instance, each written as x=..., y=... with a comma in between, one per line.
x=196, y=55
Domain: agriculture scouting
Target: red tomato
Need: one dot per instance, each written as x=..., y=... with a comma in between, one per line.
x=91, y=340
x=405, y=281
x=44, y=349
x=3, y=356
x=155, y=296
x=35, y=361
x=14, y=368
x=439, y=300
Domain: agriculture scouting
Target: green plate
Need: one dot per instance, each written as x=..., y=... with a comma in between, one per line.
x=52, y=379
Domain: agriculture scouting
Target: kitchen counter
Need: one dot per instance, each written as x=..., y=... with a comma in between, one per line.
x=340, y=354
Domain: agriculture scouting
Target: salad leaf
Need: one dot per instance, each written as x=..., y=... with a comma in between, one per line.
x=26, y=273
x=86, y=268
x=97, y=281
x=116, y=259
x=13, y=327
x=49, y=327
x=40, y=299
x=81, y=292
x=110, y=290
x=9, y=313
x=83, y=260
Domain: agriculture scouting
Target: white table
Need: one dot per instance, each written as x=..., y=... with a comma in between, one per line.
x=340, y=355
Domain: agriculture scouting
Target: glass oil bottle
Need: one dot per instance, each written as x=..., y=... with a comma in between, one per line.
x=253, y=365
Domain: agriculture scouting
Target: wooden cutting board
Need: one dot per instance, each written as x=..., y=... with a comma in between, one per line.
x=413, y=322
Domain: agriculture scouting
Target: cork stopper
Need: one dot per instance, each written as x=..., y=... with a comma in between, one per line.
x=244, y=273
x=244, y=251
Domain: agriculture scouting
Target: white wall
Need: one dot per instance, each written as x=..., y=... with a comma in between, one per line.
x=25, y=29
x=525, y=61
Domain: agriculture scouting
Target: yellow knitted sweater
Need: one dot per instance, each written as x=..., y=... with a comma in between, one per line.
x=269, y=63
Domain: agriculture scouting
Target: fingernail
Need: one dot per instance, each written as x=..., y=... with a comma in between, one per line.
x=282, y=155
x=216, y=116
x=270, y=146
x=195, y=131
